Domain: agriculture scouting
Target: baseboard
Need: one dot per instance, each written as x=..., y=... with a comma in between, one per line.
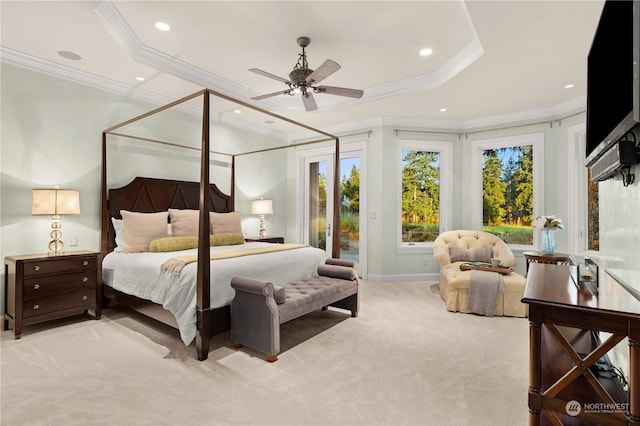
x=403, y=277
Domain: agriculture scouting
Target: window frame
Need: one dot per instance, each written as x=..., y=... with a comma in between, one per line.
x=445, y=150
x=536, y=140
x=578, y=178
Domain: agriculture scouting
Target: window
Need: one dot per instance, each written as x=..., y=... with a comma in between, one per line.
x=508, y=186
x=582, y=224
x=425, y=191
x=593, y=233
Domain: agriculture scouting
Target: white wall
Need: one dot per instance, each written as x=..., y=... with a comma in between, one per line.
x=51, y=135
x=385, y=261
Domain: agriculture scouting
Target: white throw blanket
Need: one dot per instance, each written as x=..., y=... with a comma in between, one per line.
x=484, y=287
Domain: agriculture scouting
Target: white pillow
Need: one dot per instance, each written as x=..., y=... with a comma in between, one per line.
x=118, y=227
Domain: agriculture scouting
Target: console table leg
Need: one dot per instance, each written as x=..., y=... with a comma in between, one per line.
x=634, y=380
x=535, y=371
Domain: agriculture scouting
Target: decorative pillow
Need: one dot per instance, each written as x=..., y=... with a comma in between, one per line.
x=142, y=228
x=460, y=254
x=228, y=239
x=118, y=227
x=185, y=243
x=279, y=294
x=336, y=271
x=225, y=223
x=184, y=222
x=173, y=244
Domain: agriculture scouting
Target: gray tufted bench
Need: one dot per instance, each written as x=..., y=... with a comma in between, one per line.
x=259, y=307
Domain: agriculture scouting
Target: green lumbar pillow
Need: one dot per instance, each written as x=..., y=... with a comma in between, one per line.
x=185, y=243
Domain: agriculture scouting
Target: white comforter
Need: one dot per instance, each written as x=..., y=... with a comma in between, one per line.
x=139, y=274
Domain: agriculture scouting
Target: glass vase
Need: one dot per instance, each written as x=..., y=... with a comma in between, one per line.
x=548, y=242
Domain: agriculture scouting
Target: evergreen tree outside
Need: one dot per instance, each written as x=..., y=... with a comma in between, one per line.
x=420, y=196
x=350, y=190
x=507, y=189
x=493, y=189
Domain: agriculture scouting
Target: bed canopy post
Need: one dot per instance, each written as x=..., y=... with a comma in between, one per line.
x=203, y=290
x=104, y=208
x=335, y=247
x=232, y=191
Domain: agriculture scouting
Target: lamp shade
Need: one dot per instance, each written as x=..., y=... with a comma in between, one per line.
x=55, y=202
x=261, y=206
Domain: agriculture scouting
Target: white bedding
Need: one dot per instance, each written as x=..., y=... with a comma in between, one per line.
x=139, y=274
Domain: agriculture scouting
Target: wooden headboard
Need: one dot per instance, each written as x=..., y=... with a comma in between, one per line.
x=150, y=195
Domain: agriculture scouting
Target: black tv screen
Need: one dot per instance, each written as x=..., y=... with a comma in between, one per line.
x=611, y=77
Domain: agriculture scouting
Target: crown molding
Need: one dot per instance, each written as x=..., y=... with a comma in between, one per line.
x=66, y=73
x=553, y=113
x=60, y=71
x=124, y=35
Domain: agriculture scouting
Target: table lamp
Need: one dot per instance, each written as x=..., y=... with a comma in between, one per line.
x=55, y=203
x=262, y=207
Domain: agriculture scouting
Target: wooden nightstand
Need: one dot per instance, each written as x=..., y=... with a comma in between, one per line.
x=277, y=240
x=39, y=287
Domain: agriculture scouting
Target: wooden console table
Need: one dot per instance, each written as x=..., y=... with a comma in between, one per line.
x=565, y=341
x=537, y=257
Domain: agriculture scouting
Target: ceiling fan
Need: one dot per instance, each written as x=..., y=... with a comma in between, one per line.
x=302, y=80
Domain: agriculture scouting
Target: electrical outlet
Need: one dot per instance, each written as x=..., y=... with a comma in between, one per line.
x=73, y=242
x=426, y=261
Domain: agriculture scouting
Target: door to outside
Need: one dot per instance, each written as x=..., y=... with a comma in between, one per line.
x=319, y=206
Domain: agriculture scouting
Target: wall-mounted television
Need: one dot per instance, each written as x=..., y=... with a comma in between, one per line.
x=613, y=80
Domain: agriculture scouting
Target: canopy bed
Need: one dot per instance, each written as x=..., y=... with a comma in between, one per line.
x=143, y=198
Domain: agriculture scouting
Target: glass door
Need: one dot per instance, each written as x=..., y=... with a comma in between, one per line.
x=350, y=207
x=319, y=204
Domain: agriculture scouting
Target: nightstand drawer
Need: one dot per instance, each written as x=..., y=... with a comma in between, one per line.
x=55, y=265
x=40, y=287
x=56, y=284
x=44, y=305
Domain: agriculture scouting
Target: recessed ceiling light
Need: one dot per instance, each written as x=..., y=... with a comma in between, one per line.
x=426, y=52
x=443, y=109
x=237, y=111
x=569, y=86
x=162, y=26
x=69, y=55
x=269, y=122
x=140, y=78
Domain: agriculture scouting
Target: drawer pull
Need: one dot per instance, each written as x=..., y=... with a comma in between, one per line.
x=36, y=286
x=36, y=307
x=36, y=267
x=84, y=297
x=85, y=263
x=85, y=279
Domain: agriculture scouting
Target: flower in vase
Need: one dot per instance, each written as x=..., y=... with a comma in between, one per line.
x=549, y=222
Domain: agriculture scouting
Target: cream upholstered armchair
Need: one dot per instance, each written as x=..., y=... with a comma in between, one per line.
x=452, y=248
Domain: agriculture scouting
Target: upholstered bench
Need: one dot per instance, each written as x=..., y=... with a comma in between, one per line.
x=259, y=307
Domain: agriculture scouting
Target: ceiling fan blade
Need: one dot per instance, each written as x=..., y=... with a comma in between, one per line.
x=268, y=95
x=268, y=74
x=341, y=91
x=327, y=68
x=309, y=102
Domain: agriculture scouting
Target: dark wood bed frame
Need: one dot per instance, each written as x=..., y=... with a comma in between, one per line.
x=148, y=195
x=153, y=195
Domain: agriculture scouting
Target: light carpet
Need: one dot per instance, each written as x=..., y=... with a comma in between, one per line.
x=404, y=361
